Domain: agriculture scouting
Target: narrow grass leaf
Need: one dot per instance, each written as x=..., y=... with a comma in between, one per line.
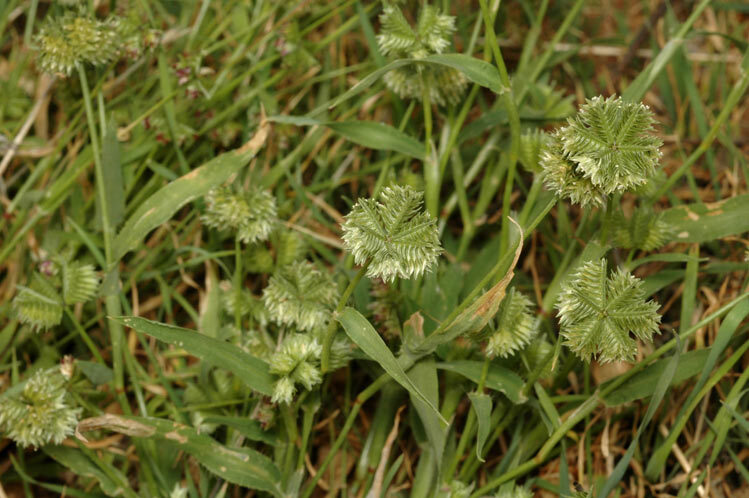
x=366, y=337
x=111, y=160
x=660, y=391
x=162, y=205
x=249, y=369
x=242, y=466
x=370, y=134
x=424, y=377
x=705, y=222
x=249, y=428
x=498, y=377
x=112, y=482
x=482, y=404
x=642, y=384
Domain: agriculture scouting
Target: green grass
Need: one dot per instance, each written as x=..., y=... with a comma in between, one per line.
x=111, y=165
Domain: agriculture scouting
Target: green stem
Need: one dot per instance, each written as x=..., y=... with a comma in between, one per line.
x=333, y=325
x=431, y=168
x=358, y=402
x=237, y=284
x=512, y=116
x=112, y=300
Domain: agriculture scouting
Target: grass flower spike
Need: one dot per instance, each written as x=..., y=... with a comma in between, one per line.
x=300, y=295
x=599, y=312
x=296, y=362
x=39, y=305
x=430, y=36
x=40, y=414
x=75, y=39
x=79, y=282
x=608, y=147
x=514, y=328
x=395, y=237
x=644, y=230
x=252, y=214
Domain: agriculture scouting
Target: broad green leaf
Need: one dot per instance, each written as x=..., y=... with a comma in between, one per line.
x=242, y=466
x=249, y=428
x=705, y=222
x=642, y=384
x=162, y=205
x=424, y=377
x=476, y=70
x=249, y=369
x=366, y=337
x=482, y=404
x=370, y=134
x=112, y=482
x=498, y=378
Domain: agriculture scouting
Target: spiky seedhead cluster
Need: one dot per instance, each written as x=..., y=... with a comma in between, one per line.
x=296, y=362
x=252, y=213
x=249, y=304
x=301, y=295
x=643, y=230
x=77, y=38
x=431, y=35
x=515, y=326
x=608, y=147
x=40, y=305
x=79, y=282
x=40, y=414
x=598, y=313
x=395, y=236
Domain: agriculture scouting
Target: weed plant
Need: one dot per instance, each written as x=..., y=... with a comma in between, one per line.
x=362, y=248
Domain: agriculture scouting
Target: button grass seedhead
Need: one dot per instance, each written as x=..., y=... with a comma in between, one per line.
x=301, y=295
x=515, y=326
x=79, y=282
x=644, y=230
x=296, y=361
x=40, y=414
x=598, y=312
x=430, y=36
x=252, y=213
x=77, y=38
x=38, y=305
x=395, y=236
x=608, y=147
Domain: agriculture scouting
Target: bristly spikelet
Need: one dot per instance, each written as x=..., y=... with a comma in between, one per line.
x=252, y=214
x=531, y=146
x=74, y=39
x=515, y=326
x=644, y=230
x=430, y=36
x=514, y=491
x=296, y=361
x=613, y=144
x=301, y=295
x=38, y=305
x=40, y=414
x=395, y=236
x=249, y=304
x=79, y=282
x=561, y=175
x=608, y=147
x=597, y=313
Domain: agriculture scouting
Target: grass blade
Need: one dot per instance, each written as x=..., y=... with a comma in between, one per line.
x=249, y=369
